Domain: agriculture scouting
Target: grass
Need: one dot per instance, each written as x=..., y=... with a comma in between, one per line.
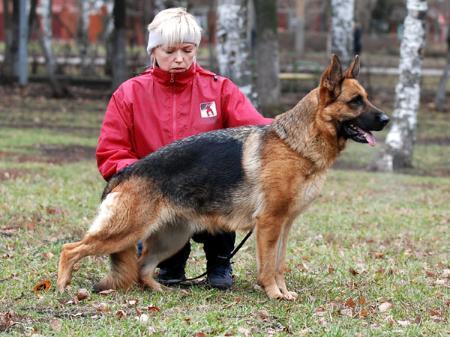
x=370, y=239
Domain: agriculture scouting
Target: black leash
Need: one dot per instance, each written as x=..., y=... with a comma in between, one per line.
x=225, y=258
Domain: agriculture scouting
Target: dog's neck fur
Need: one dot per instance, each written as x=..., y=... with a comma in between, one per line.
x=302, y=128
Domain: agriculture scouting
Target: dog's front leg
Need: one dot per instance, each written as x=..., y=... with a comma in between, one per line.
x=267, y=236
x=281, y=265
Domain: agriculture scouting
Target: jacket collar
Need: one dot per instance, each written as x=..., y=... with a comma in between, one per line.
x=175, y=79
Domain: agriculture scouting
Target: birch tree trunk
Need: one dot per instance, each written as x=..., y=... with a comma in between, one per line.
x=342, y=20
x=398, y=150
x=440, y=94
x=45, y=12
x=21, y=63
x=119, y=55
x=266, y=53
x=233, y=42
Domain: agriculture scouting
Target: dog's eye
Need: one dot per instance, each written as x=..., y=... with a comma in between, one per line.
x=356, y=101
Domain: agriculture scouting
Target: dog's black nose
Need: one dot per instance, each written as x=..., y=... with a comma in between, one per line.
x=383, y=119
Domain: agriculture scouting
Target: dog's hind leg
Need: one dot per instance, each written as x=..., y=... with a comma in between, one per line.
x=267, y=237
x=280, y=262
x=116, y=230
x=160, y=245
x=123, y=273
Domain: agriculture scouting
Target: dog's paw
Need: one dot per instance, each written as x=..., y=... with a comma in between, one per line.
x=290, y=295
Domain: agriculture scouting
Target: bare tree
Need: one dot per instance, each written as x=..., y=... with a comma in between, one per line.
x=398, y=150
x=342, y=20
x=10, y=27
x=45, y=11
x=21, y=63
x=266, y=54
x=82, y=34
x=233, y=39
x=440, y=94
x=119, y=55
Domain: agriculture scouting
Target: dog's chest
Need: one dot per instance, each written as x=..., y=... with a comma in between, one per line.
x=309, y=190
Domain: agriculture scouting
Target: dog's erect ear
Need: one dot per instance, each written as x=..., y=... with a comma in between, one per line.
x=330, y=82
x=353, y=69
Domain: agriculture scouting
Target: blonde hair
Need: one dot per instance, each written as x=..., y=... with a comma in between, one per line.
x=172, y=26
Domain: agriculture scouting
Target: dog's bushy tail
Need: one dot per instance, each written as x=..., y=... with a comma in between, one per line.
x=124, y=271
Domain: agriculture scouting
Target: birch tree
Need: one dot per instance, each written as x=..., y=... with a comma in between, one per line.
x=159, y=5
x=398, y=150
x=45, y=11
x=342, y=20
x=440, y=94
x=266, y=54
x=233, y=40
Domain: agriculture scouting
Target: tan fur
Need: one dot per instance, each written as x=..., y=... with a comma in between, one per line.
x=284, y=166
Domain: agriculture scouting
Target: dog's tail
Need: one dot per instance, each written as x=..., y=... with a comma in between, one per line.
x=124, y=271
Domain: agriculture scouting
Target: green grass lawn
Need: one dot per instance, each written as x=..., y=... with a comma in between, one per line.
x=369, y=258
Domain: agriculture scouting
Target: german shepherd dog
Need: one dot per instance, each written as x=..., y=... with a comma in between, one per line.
x=258, y=177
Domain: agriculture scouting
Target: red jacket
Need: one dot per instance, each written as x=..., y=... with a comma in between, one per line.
x=156, y=108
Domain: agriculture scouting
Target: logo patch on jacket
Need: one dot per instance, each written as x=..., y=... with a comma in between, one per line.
x=208, y=109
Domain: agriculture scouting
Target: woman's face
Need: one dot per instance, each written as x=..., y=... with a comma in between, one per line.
x=175, y=59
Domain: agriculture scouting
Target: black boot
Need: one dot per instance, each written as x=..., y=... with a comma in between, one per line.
x=171, y=270
x=217, y=249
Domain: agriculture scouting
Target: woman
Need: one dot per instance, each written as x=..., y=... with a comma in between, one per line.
x=175, y=98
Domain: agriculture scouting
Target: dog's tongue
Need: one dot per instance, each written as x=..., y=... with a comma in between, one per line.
x=370, y=138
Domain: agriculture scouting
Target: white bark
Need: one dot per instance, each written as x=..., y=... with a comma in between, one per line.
x=233, y=44
x=401, y=137
x=44, y=10
x=342, y=20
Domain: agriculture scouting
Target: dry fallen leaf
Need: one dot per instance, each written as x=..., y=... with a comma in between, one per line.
x=121, y=314
x=48, y=255
x=262, y=314
x=200, y=334
x=346, y=312
x=153, y=308
x=6, y=320
x=102, y=307
x=353, y=271
x=378, y=255
x=43, y=285
x=349, y=303
x=361, y=300
x=383, y=307
x=363, y=313
x=106, y=292
x=82, y=294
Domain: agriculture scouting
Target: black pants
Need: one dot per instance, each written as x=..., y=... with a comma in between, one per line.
x=215, y=246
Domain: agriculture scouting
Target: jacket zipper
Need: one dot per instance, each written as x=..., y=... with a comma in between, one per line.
x=174, y=111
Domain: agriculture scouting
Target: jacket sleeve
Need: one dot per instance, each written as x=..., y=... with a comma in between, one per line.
x=115, y=145
x=237, y=109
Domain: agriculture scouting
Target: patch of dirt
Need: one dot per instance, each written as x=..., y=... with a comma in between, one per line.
x=59, y=154
x=12, y=173
x=444, y=141
x=54, y=154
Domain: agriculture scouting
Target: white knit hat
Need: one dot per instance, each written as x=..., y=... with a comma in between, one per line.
x=171, y=26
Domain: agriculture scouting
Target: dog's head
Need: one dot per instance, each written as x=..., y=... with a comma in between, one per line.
x=344, y=103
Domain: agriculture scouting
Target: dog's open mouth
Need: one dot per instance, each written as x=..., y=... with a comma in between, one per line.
x=357, y=134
